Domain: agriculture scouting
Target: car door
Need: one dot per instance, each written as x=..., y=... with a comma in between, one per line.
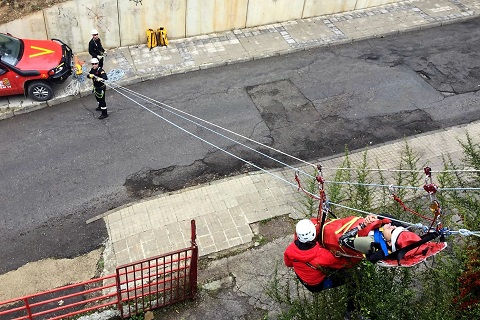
x=10, y=83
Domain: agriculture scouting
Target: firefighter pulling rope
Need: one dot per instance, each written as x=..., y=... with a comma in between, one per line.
x=79, y=76
x=73, y=87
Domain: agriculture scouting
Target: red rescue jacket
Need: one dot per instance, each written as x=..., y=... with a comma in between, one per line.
x=305, y=262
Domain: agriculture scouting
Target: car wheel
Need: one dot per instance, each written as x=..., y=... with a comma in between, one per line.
x=40, y=91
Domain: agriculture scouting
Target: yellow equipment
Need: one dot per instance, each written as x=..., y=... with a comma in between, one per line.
x=78, y=65
x=151, y=39
x=162, y=36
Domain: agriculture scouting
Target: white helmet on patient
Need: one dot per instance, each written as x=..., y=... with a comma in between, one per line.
x=306, y=230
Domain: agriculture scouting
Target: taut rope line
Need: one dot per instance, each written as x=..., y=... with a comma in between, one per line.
x=205, y=141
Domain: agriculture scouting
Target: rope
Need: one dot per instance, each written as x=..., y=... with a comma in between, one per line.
x=400, y=187
x=170, y=108
x=405, y=208
x=466, y=233
x=115, y=75
x=402, y=170
x=374, y=185
x=82, y=77
x=455, y=189
x=175, y=110
x=463, y=232
x=73, y=88
x=341, y=254
x=215, y=132
x=201, y=139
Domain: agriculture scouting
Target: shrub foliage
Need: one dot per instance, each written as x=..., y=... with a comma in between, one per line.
x=447, y=286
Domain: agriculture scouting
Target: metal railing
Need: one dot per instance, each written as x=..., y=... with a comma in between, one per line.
x=59, y=303
x=135, y=288
x=159, y=281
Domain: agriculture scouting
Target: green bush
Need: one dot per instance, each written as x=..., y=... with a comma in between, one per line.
x=445, y=287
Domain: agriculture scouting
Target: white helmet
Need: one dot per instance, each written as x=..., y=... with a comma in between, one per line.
x=94, y=60
x=94, y=31
x=306, y=230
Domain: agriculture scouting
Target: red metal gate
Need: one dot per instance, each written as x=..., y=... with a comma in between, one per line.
x=135, y=288
x=159, y=281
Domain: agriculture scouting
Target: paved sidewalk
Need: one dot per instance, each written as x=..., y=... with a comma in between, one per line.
x=225, y=209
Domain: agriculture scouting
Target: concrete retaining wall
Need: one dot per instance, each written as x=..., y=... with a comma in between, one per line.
x=124, y=22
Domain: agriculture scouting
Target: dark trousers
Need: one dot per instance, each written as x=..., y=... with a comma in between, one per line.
x=338, y=278
x=332, y=281
x=100, y=93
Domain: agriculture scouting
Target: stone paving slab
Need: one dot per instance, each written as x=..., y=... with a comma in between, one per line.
x=469, y=5
x=365, y=27
x=441, y=9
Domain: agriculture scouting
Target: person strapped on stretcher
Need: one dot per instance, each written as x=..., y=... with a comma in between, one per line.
x=378, y=239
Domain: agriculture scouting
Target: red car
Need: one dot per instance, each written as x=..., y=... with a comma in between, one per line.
x=31, y=67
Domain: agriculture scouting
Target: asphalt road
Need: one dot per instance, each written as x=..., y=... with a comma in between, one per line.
x=61, y=166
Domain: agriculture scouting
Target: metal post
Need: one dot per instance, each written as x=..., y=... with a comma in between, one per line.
x=119, y=293
x=27, y=306
x=194, y=261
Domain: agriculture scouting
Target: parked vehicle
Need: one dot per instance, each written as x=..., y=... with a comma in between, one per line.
x=32, y=67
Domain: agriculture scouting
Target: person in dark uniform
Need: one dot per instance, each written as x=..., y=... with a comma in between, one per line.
x=95, y=48
x=98, y=75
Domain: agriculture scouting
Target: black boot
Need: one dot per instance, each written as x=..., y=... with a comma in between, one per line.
x=347, y=238
x=104, y=114
x=98, y=108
